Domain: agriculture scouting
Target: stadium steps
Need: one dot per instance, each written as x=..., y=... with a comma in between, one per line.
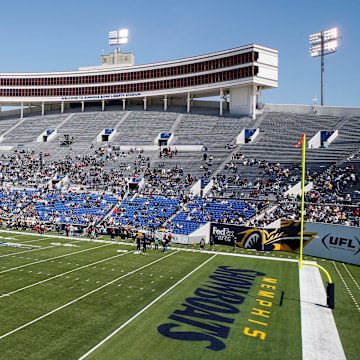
x=226, y=160
x=6, y=125
x=111, y=211
x=176, y=123
x=28, y=129
x=147, y=124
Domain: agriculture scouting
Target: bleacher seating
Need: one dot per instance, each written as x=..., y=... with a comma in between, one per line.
x=198, y=212
x=145, y=212
x=101, y=170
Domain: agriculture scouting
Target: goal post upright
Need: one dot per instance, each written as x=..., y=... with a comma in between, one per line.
x=330, y=285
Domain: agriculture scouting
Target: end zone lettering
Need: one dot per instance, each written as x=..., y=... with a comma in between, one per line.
x=262, y=315
x=210, y=311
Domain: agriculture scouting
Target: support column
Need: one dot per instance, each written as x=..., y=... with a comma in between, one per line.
x=144, y=100
x=29, y=109
x=165, y=103
x=102, y=105
x=62, y=107
x=188, y=103
x=254, y=102
x=221, y=101
x=0, y=108
x=124, y=104
x=82, y=106
x=22, y=111
x=260, y=98
x=42, y=109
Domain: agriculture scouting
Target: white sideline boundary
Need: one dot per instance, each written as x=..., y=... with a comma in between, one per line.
x=62, y=274
x=82, y=297
x=170, y=247
x=133, y=244
x=56, y=257
x=320, y=338
x=143, y=309
x=78, y=238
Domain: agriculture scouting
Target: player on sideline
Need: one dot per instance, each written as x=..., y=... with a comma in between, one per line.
x=202, y=244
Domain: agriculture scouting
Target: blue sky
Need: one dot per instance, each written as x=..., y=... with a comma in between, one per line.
x=64, y=35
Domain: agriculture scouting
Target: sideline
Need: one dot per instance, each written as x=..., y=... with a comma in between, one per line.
x=170, y=247
x=82, y=297
x=62, y=274
x=144, y=309
x=78, y=238
x=320, y=337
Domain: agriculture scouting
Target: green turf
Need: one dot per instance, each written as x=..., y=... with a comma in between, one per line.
x=279, y=341
x=92, y=289
x=346, y=314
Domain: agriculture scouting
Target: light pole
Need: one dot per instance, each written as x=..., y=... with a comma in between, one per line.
x=323, y=43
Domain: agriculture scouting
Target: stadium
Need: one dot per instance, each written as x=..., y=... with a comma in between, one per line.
x=141, y=216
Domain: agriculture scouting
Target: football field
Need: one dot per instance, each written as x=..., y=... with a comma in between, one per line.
x=73, y=299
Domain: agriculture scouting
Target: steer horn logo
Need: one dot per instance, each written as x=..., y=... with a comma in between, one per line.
x=286, y=238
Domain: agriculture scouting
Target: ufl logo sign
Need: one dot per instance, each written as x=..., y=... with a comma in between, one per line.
x=341, y=243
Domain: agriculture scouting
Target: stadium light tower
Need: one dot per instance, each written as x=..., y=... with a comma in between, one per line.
x=118, y=37
x=323, y=43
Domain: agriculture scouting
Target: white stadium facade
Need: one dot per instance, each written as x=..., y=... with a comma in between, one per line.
x=237, y=76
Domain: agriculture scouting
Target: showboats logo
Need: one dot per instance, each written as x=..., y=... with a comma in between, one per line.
x=209, y=315
x=341, y=243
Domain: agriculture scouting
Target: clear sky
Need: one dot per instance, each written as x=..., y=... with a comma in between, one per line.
x=50, y=35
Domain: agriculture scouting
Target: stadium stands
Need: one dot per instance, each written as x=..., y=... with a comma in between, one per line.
x=248, y=179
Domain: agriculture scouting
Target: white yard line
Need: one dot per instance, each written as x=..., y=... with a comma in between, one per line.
x=62, y=274
x=320, y=338
x=144, y=309
x=22, y=252
x=82, y=297
x=17, y=240
x=53, y=258
x=352, y=278
x=33, y=240
x=347, y=287
x=17, y=236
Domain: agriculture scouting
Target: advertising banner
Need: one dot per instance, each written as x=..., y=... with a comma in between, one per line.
x=175, y=238
x=334, y=242
x=243, y=236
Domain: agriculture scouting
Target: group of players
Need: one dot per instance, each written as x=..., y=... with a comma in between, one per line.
x=147, y=241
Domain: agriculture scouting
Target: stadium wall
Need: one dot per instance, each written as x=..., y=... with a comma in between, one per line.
x=333, y=242
x=313, y=109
